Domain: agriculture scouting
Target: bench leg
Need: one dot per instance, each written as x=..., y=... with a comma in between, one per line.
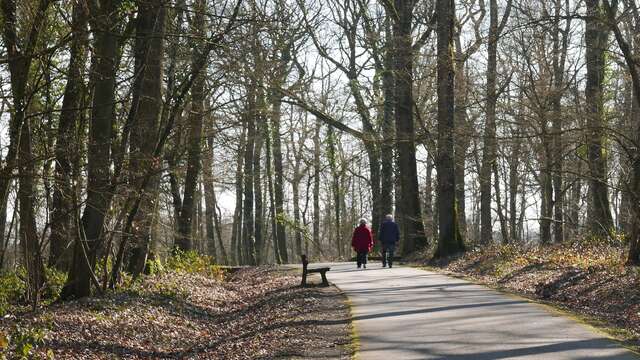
x=324, y=278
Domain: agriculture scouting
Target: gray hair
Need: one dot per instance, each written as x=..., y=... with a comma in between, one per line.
x=388, y=217
x=363, y=221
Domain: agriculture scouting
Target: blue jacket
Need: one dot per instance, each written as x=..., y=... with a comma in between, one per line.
x=389, y=232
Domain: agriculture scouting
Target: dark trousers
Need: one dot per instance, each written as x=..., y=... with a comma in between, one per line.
x=361, y=258
x=387, y=253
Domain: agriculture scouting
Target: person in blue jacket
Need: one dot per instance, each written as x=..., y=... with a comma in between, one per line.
x=389, y=235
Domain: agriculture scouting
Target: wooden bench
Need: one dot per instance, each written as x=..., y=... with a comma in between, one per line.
x=306, y=270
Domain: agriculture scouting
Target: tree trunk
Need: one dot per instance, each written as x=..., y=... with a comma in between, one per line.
x=279, y=177
x=449, y=239
x=20, y=144
x=335, y=190
x=631, y=50
x=387, y=126
x=295, y=184
x=218, y=228
x=489, y=138
x=236, y=231
x=194, y=146
x=198, y=229
x=209, y=199
x=501, y=216
x=596, y=35
x=634, y=188
x=560, y=47
x=248, y=231
x=557, y=174
x=430, y=222
x=628, y=123
x=514, y=180
x=462, y=137
x=257, y=178
x=146, y=109
x=89, y=242
x=272, y=203
x=62, y=226
x=412, y=227
x=30, y=244
x=170, y=156
x=316, y=191
x=546, y=187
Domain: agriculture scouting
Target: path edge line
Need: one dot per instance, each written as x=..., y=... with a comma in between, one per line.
x=354, y=344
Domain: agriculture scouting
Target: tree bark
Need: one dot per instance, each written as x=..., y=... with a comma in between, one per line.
x=278, y=184
x=489, y=151
x=489, y=137
x=209, y=199
x=183, y=240
x=449, y=239
x=412, y=227
x=19, y=54
x=295, y=187
x=514, y=180
x=218, y=228
x=630, y=56
x=272, y=203
x=146, y=109
x=248, y=231
x=596, y=35
x=503, y=220
x=296, y=213
x=430, y=222
x=335, y=188
x=257, y=178
x=546, y=186
x=461, y=143
x=89, y=242
x=62, y=226
x=316, y=190
x=387, y=126
x=236, y=231
x=560, y=47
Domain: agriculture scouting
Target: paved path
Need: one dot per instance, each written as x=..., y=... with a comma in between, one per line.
x=405, y=313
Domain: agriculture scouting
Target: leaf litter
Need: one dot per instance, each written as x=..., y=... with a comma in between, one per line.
x=255, y=313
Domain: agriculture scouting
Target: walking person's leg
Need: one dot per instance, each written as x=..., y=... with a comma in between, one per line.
x=384, y=255
x=358, y=259
x=390, y=251
x=363, y=258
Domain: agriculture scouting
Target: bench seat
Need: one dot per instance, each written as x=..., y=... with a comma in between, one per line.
x=306, y=270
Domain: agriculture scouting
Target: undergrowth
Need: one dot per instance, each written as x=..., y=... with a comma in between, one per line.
x=18, y=341
x=500, y=259
x=191, y=262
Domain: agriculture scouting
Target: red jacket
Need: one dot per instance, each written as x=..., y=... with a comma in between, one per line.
x=362, y=239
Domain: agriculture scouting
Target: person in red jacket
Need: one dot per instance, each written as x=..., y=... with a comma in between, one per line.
x=362, y=242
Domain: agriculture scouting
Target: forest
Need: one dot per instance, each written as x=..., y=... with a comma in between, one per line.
x=255, y=131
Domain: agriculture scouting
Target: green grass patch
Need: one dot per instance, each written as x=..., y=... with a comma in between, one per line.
x=191, y=262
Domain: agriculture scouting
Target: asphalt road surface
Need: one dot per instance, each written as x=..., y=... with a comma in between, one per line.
x=406, y=313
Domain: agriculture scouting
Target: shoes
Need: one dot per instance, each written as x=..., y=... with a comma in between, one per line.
x=364, y=266
x=384, y=265
x=358, y=266
x=390, y=266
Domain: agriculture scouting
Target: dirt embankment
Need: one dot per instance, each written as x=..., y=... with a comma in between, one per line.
x=255, y=313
